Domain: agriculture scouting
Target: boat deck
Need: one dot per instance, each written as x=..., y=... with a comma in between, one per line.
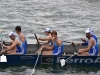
x=68, y=49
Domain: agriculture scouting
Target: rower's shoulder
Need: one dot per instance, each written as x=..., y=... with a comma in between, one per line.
x=49, y=37
x=22, y=35
x=92, y=39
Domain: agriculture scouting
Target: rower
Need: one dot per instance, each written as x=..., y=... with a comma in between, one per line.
x=56, y=48
x=17, y=47
x=46, y=40
x=21, y=36
x=92, y=48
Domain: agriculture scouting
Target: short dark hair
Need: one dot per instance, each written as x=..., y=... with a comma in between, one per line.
x=53, y=32
x=18, y=28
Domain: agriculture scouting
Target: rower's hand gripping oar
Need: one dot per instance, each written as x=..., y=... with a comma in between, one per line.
x=63, y=61
x=33, y=71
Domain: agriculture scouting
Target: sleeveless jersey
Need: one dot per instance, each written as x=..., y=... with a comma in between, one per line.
x=58, y=50
x=94, y=49
x=21, y=49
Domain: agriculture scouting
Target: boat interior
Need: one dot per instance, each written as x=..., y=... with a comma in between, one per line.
x=68, y=49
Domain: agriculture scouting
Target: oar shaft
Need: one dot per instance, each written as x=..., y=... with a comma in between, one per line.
x=70, y=57
x=67, y=42
x=36, y=60
x=35, y=65
x=1, y=43
x=33, y=71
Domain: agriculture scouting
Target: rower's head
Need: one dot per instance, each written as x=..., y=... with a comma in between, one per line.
x=54, y=34
x=18, y=29
x=91, y=30
x=12, y=35
x=47, y=31
x=88, y=33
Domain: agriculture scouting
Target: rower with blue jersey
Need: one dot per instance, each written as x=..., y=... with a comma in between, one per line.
x=92, y=48
x=21, y=48
x=58, y=50
x=56, y=47
x=17, y=47
x=21, y=37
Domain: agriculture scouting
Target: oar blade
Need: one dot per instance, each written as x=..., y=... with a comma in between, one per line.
x=33, y=72
x=3, y=58
x=63, y=62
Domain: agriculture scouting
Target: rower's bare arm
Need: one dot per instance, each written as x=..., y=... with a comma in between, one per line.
x=59, y=42
x=83, y=39
x=89, y=46
x=13, y=45
x=5, y=46
x=44, y=39
x=43, y=42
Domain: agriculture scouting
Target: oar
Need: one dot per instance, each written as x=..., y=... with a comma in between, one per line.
x=1, y=39
x=36, y=38
x=3, y=57
x=33, y=71
x=67, y=42
x=74, y=46
x=62, y=61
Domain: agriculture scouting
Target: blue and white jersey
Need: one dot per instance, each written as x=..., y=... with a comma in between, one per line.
x=94, y=49
x=86, y=43
x=25, y=43
x=21, y=48
x=58, y=50
x=94, y=36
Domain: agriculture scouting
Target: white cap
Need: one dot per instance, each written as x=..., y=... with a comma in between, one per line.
x=47, y=30
x=11, y=33
x=89, y=30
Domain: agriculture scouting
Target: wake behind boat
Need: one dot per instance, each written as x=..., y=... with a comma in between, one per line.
x=30, y=57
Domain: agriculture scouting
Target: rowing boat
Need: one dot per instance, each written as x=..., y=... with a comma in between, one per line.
x=30, y=57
